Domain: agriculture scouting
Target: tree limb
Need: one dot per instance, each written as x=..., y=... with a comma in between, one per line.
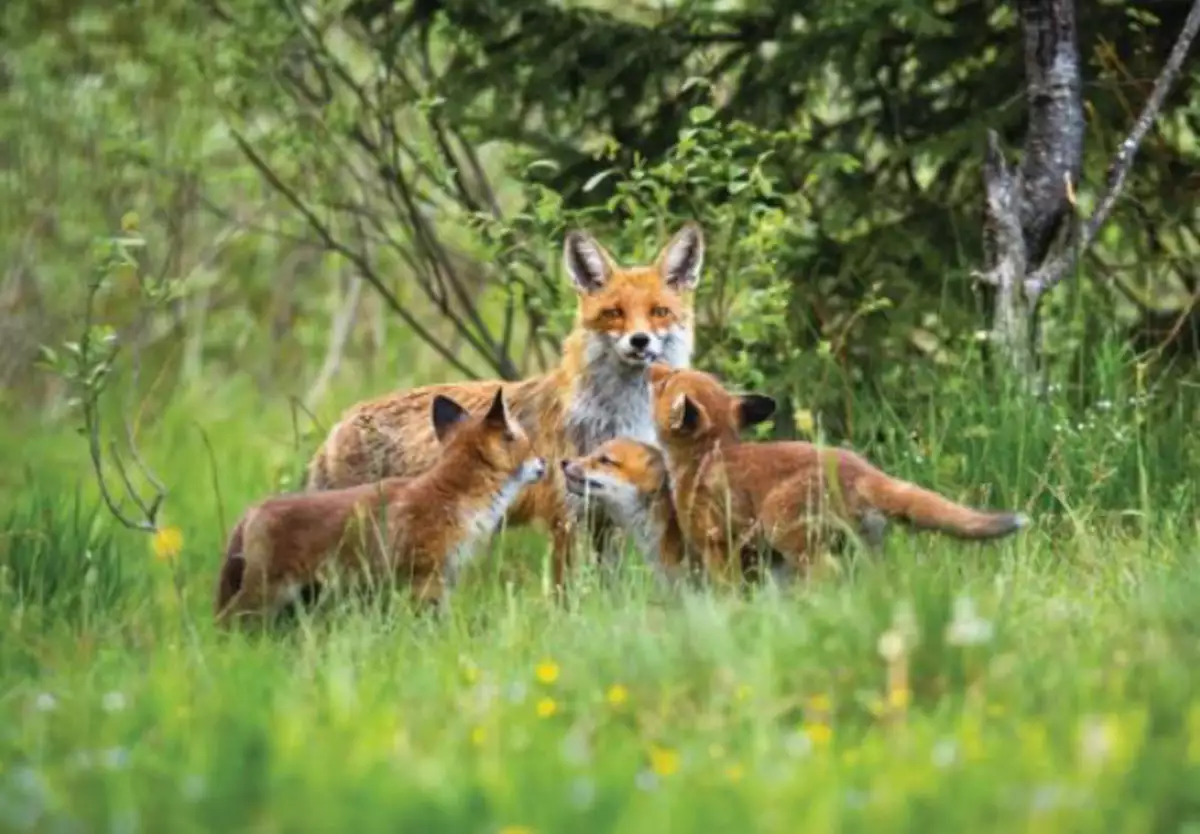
x=1052, y=272
x=365, y=271
x=1053, y=147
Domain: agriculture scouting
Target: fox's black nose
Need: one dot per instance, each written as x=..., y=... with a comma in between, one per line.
x=639, y=341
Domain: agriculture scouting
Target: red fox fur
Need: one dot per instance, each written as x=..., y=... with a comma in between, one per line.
x=628, y=479
x=729, y=493
x=626, y=319
x=431, y=523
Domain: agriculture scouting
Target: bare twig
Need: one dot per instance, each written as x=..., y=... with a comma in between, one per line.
x=339, y=334
x=389, y=155
x=296, y=406
x=1052, y=272
x=216, y=481
x=365, y=270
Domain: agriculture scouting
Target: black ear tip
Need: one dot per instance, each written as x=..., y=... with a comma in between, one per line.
x=497, y=408
x=446, y=411
x=757, y=408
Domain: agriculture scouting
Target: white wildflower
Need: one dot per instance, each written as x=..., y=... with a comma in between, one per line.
x=582, y=792
x=966, y=627
x=647, y=780
x=945, y=753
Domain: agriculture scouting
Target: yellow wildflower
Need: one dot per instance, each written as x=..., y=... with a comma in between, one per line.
x=820, y=703
x=819, y=734
x=478, y=736
x=546, y=707
x=899, y=698
x=516, y=829
x=804, y=421
x=735, y=772
x=663, y=760
x=546, y=671
x=470, y=671
x=743, y=692
x=617, y=695
x=167, y=542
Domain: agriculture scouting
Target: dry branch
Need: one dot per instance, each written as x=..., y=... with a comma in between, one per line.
x=1052, y=272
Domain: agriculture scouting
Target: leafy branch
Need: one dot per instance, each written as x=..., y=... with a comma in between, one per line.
x=87, y=366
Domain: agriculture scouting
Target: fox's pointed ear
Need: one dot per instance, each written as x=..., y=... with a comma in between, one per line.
x=680, y=261
x=497, y=415
x=754, y=409
x=686, y=416
x=446, y=415
x=587, y=262
x=656, y=372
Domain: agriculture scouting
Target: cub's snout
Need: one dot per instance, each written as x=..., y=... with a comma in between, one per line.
x=535, y=469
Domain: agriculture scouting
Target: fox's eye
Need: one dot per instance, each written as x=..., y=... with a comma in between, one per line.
x=605, y=460
x=611, y=313
x=660, y=312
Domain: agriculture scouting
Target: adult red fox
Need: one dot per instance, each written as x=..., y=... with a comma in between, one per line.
x=626, y=319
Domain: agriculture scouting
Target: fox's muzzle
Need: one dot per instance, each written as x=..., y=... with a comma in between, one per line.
x=535, y=469
x=640, y=348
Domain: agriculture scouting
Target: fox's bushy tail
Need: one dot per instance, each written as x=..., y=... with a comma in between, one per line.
x=233, y=569
x=926, y=509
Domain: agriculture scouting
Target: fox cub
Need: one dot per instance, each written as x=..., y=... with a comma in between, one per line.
x=626, y=318
x=430, y=524
x=628, y=480
x=730, y=493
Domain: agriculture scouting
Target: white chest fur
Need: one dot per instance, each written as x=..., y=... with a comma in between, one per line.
x=478, y=524
x=612, y=399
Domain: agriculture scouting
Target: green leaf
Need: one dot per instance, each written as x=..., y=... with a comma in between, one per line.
x=597, y=178
x=542, y=165
x=701, y=114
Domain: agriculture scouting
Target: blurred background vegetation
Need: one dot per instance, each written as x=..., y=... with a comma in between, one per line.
x=348, y=197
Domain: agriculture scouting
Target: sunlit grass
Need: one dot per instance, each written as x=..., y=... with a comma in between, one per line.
x=1044, y=682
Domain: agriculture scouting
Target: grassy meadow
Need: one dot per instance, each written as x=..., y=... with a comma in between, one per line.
x=1042, y=683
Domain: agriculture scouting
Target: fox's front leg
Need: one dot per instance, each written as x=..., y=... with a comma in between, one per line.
x=716, y=561
x=562, y=556
x=554, y=510
x=431, y=591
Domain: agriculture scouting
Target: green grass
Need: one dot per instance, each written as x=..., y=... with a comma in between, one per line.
x=1050, y=678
